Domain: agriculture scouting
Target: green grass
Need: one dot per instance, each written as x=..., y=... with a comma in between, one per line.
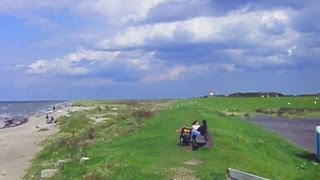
x=136, y=145
x=251, y=105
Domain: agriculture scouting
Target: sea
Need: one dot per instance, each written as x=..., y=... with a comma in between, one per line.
x=27, y=108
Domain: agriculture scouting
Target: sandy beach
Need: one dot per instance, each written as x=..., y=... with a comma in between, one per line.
x=18, y=145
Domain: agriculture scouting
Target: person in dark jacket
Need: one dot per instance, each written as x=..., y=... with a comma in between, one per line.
x=184, y=136
x=201, y=131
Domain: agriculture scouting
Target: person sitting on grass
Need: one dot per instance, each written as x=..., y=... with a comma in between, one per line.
x=184, y=138
x=195, y=125
x=201, y=131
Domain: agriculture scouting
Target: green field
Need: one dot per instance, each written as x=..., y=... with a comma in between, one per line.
x=139, y=141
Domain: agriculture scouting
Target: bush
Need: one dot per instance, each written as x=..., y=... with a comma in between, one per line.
x=91, y=133
x=143, y=114
x=97, y=108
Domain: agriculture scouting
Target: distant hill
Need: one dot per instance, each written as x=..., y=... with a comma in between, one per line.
x=259, y=94
x=256, y=94
x=304, y=95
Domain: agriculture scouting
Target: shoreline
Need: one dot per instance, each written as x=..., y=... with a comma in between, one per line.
x=36, y=109
x=19, y=120
x=19, y=144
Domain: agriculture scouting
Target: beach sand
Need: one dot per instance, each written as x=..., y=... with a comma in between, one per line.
x=19, y=145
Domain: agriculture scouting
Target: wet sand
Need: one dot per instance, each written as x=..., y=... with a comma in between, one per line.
x=18, y=145
x=301, y=132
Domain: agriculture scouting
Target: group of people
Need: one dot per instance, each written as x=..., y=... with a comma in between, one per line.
x=188, y=133
x=50, y=120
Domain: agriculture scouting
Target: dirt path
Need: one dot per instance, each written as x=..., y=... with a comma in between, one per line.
x=301, y=132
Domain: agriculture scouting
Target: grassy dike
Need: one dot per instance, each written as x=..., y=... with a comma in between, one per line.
x=138, y=141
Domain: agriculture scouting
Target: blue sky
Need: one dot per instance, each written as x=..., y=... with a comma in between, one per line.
x=127, y=49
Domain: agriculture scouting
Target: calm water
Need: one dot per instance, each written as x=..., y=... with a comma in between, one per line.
x=301, y=132
x=27, y=108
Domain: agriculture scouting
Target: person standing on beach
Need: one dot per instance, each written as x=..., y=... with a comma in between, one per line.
x=47, y=117
x=52, y=119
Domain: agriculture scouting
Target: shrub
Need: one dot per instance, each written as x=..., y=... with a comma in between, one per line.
x=143, y=114
x=91, y=133
x=97, y=108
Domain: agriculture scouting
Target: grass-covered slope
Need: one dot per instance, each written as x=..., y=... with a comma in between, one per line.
x=140, y=142
x=287, y=107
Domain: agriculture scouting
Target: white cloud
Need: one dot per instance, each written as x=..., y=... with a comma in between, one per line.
x=169, y=74
x=231, y=67
x=71, y=63
x=290, y=50
x=84, y=62
x=241, y=30
x=135, y=63
x=58, y=66
x=117, y=11
x=245, y=27
x=111, y=11
x=236, y=35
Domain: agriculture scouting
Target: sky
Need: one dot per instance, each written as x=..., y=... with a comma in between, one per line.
x=142, y=49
